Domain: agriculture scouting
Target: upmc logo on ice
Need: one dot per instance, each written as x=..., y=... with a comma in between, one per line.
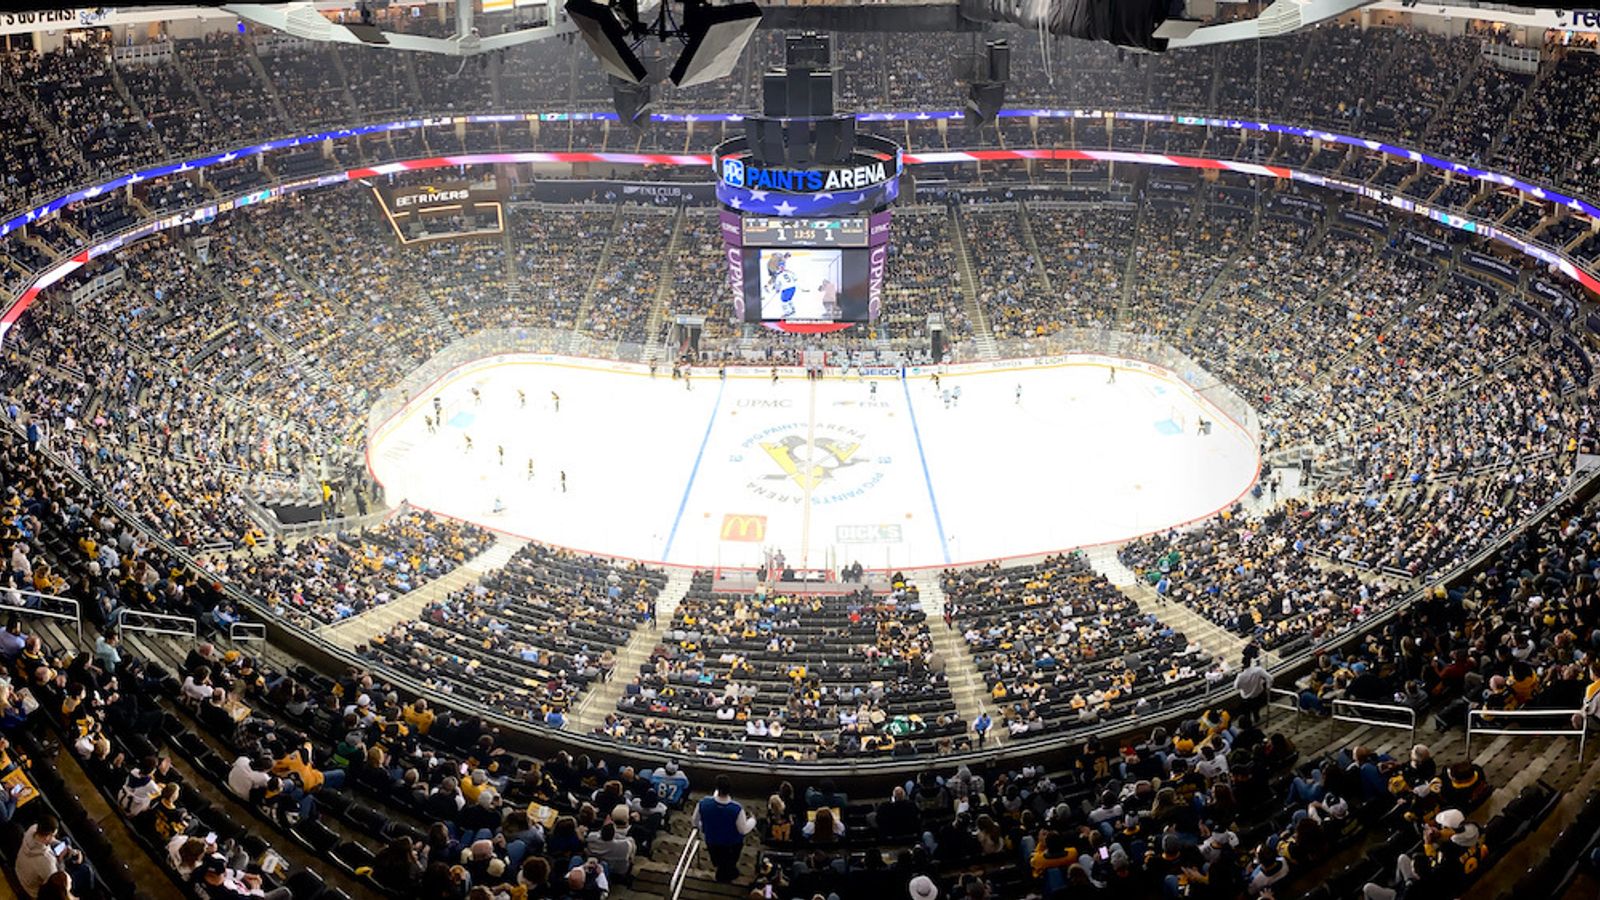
x=733, y=172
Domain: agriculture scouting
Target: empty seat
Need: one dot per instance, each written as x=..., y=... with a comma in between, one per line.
x=305, y=884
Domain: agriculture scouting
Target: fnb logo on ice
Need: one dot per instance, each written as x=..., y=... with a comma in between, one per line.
x=733, y=172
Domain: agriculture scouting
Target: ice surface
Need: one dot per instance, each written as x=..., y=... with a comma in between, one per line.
x=894, y=478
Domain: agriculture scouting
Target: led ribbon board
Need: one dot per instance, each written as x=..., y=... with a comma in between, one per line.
x=64, y=266
x=1538, y=192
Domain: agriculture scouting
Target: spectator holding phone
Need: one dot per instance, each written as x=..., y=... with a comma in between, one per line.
x=43, y=853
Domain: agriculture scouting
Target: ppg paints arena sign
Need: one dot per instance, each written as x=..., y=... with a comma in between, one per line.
x=869, y=180
x=739, y=174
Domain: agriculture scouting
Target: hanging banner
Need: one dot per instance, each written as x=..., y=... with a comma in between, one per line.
x=656, y=193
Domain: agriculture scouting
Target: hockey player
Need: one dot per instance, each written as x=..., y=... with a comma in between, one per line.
x=782, y=282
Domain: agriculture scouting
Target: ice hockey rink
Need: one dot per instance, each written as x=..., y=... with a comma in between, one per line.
x=884, y=470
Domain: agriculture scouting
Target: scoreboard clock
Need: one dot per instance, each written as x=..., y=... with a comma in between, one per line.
x=760, y=231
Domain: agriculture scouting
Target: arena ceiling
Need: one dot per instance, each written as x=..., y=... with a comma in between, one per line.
x=491, y=25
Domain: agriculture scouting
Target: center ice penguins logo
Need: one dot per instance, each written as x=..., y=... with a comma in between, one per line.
x=810, y=466
x=828, y=463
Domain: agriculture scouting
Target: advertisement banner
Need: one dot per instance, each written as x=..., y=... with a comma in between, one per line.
x=1364, y=220
x=423, y=199
x=1549, y=291
x=1433, y=246
x=1290, y=202
x=1489, y=264
x=664, y=193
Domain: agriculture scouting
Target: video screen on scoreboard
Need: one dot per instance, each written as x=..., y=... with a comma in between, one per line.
x=806, y=284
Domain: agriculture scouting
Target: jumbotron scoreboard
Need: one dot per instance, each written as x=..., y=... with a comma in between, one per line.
x=805, y=204
x=792, y=273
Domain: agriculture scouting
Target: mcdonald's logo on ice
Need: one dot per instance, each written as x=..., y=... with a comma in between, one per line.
x=744, y=528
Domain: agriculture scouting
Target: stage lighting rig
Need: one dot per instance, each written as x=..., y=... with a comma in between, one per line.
x=712, y=37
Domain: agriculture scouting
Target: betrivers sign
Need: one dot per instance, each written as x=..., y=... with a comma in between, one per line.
x=431, y=196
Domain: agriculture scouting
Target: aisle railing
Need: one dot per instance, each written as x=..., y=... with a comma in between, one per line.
x=1356, y=712
x=1580, y=730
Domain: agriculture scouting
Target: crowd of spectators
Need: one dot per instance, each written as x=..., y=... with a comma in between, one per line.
x=624, y=291
x=529, y=637
x=922, y=277
x=1390, y=82
x=1214, y=807
x=1550, y=137
x=324, y=579
x=1011, y=285
x=1177, y=260
x=307, y=82
x=1086, y=259
x=772, y=676
x=1059, y=646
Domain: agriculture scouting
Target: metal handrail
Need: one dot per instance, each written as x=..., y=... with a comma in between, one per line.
x=1410, y=714
x=1582, y=729
x=75, y=616
x=239, y=632
x=1292, y=706
x=156, y=623
x=680, y=872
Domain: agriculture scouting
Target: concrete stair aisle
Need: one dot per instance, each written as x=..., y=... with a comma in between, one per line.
x=601, y=701
x=1212, y=638
x=1129, y=269
x=1033, y=247
x=253, y=59
x=982, y=335
x=357, y=629
x=652, y=878
x=580, y=323
x=967, y=686
x=664, y=292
